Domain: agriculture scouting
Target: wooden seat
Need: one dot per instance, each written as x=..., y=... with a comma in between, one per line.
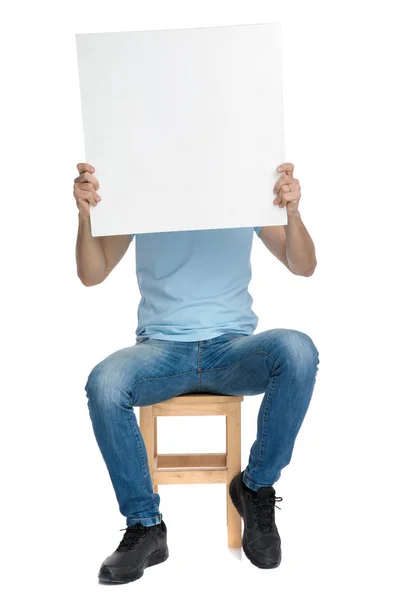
x=197, y=468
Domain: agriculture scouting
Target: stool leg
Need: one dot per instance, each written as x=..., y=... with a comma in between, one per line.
x=233, y=460
x=147, y=430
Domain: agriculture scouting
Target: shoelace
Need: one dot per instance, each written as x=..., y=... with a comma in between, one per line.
x=133, y=533
x=265, y=519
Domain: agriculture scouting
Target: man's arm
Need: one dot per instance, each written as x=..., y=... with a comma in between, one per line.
x=292, y=245
x=96, y=257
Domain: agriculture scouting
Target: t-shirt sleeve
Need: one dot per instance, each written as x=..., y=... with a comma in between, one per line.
x=257, y=230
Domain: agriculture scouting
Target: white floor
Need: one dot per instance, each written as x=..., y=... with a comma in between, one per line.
x=325, y=551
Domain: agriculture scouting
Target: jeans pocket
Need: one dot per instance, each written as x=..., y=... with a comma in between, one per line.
x=142, y=340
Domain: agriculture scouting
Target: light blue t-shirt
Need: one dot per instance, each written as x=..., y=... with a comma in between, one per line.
x=193, y=284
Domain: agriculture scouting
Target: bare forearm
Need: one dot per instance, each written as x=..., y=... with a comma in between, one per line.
x=90, y=259
x=300, y=250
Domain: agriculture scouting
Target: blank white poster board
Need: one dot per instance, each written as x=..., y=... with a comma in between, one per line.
x=184, y=127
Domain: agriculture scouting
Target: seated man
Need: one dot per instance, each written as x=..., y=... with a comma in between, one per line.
x=195, y=334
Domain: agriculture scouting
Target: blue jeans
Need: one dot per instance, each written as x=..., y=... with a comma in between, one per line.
x=280, y=363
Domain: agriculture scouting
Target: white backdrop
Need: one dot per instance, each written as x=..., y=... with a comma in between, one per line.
x=339, y=520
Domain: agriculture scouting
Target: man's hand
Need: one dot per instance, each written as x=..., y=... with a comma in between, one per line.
x=287, y=190
x=85, y=189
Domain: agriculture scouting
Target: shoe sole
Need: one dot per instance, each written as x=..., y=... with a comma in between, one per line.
x=110, y=574
x=239, y=507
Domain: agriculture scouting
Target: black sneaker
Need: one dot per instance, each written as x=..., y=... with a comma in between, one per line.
x=261, y=541
x=141, y=547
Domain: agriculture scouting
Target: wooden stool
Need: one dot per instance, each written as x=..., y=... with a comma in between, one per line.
x=197, y=468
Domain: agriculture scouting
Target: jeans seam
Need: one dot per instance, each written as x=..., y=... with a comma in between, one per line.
x=141, y=456
x=199, y=359
x=264, y=419
x=143, y=518
x=164, y=377
x=203, y=370
x=239, y=361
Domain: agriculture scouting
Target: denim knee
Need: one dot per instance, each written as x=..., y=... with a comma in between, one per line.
x=298, y=348
x=105, y=388
x=303, y=350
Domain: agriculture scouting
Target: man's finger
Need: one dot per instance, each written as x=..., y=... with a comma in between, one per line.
x=89, y=187
x=85, y=176
x=283, y=179
x=289, y=187
x=288, y=197
x=288, y=168
x=85, y=167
